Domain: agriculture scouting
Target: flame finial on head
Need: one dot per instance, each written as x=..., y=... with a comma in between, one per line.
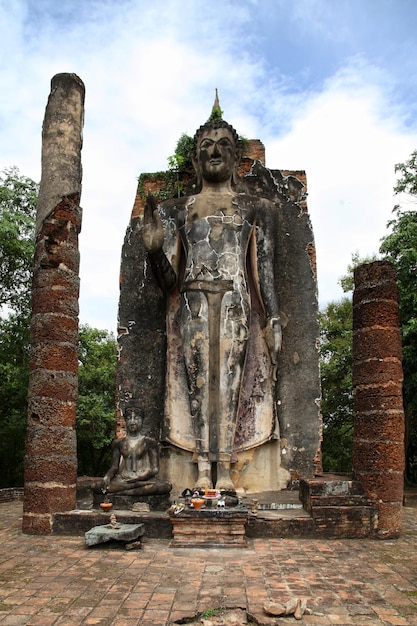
x=216, y=112
x=216, y=104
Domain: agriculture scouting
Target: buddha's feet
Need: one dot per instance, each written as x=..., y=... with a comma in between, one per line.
x=224, y=482
x=203, y=480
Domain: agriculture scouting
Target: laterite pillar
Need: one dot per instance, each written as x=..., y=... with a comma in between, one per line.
x=51, y=452
x=378, y=453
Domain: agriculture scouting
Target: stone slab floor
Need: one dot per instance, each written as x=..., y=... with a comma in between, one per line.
x=58, y=580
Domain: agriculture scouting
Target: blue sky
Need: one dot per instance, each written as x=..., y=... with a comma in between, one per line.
x=330, y=86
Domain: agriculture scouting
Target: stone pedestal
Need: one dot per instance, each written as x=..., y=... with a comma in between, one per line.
x=124, y=502
x=209, y=529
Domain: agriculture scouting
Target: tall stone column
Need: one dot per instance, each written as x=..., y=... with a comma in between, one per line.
x=51, y=452
x=378, y=452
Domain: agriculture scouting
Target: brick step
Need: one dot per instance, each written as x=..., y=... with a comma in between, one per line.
x=345, y=500
x=334, y=488
x=334, y=506
x=348, y=522
x=325, y=521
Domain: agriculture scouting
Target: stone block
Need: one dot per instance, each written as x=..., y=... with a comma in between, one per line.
x=374, y=273
x=387, y=486
x=49, y=498
x=383, y=313
x=378, y=391
x=205, y=529
x=54, y=384
x=378, y=371
x=369, y=400
x=54, y=356
x=116, y=532
x=344, y=521
x=389, y=519
x=380, y=425
x=34, y=524
x=60, y=276
x=53, y=467
x=374, y=293
x=54, y=301
x=56, y=250
x=261, y=527
x=119, y=501
x=54, y=327
x=374, y=455
x=51, y=411
x=69, y=212
x=374, y=343
x=51, y=441
x=77, y=522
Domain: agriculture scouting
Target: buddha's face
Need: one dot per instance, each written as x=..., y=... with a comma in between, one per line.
x=133, y=422
x=216, y=154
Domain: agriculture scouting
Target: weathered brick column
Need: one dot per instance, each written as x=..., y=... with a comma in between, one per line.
x=378, y=452
x=51, y=452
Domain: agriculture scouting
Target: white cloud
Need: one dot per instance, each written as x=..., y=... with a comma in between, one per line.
x=348, y=149
x=150, y=71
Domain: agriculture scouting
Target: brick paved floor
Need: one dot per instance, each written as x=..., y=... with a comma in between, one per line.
x=57, y=580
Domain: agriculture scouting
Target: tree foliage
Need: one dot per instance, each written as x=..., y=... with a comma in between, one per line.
x=96, y=400
x=407, y=182
x=18, y=197
x=95, y=412
x=14, y=378
x=400, y=247
x=336, y=383
x=181, y=159
x=336, y=375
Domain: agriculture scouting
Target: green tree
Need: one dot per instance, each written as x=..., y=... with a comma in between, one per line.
x=407, y=182
x=18, y=197
x=181, y=159
x=336, y=383
x=336, y=375
x=14, y=378
x=96, y=400
x=400, y=247
x=97, y=348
